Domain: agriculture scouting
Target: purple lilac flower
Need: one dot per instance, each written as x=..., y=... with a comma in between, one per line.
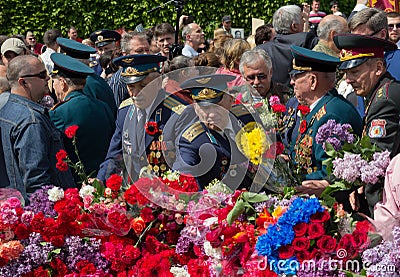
x=370, y=174
x=349, y=167
x=384, y=259
x=34, y=255
x=183, y=245
x=39, y=202
x=77, y=249
x=381, y=160
x=335, y=134
x=337, y=145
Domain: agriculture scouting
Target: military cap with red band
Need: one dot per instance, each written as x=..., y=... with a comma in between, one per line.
x=357, y=49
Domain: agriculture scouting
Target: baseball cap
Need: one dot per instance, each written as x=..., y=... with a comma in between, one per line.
x=13, y=44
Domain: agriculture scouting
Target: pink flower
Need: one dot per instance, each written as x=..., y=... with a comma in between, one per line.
x=274, y=100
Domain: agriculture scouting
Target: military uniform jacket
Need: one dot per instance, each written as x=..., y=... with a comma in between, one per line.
x=382, y=115
x=97, y=88
x=290, y=122
x=124, y=153
x=96, y=126
x=207, y=154
x=309, y=155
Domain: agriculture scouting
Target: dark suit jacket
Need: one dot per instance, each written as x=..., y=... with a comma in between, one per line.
x=279, y=51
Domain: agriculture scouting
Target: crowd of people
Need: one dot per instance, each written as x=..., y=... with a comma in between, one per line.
x=138, y=102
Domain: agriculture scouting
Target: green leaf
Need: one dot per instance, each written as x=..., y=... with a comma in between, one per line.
x=237, y=210
x=254, y=197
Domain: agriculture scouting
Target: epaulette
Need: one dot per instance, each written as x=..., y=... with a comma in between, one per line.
x=93, y=63
x=239, y=110
x=179, y=109
x=59, y=104
x=126, y=103
x=193, y=131
x=171, y=103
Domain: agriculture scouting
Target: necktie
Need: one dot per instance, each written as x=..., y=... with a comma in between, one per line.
x=140, y=127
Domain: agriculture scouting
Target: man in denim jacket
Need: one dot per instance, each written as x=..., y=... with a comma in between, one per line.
x=29, y=141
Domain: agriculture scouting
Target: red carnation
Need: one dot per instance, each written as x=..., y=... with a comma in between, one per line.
x=21, y=231
x=303, y=109
x=303, y=126
x=61, y=155
x=278, y=108
x=147, y=214
x=315, y=230
x=151, y=128
x=327, y=244
x=134, y=196
x=274, y=150
x=70, y=131
x=59, y=266
x=114, y=182
x=300, y=229
x=62, y=166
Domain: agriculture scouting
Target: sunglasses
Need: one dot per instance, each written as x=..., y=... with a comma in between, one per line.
x=32, y=38
x=391, y=26
x=41, y=75
x=258, y=76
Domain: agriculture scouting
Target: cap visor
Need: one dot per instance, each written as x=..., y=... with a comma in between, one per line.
x=352, y=63
x=103, y=43
x=294, y=72
x=132, y=79
x=209, y=102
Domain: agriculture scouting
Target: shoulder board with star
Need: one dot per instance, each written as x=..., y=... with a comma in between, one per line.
x=193, y=131
x=126, y=103
x=59, y=104
x=172, y=103
x=321, y=112
x=239, y=110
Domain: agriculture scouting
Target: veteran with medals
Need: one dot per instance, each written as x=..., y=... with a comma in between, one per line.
x=313, y=80
x=138, y=141
x=207, y=147
x=362, y=59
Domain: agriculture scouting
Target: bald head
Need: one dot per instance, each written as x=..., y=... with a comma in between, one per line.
x=331, y=23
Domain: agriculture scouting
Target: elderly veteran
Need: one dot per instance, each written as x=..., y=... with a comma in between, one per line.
x=366, y=72
x=207, y=147
x=313, y=81
x=138, y=140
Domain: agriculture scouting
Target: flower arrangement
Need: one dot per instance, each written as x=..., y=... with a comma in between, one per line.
x=304, y=233
x=354, y=161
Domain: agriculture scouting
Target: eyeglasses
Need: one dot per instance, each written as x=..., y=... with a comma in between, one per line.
x=391, y=26
x=41, y=75
x=253, y=77
x=32, y=38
